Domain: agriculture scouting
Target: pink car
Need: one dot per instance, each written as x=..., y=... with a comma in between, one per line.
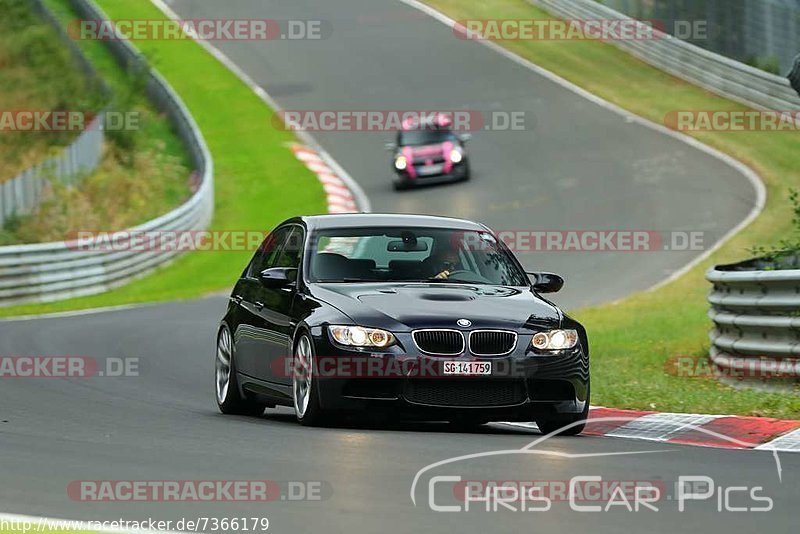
x=428, y=152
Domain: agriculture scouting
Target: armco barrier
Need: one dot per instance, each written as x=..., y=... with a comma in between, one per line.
x=724, y=76
x=22, y=193
x=756, y=314
x=54, y=271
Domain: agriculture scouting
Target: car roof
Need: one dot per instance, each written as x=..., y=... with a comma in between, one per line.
x=361, y=220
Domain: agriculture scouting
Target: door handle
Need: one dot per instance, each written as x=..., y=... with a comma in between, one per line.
x=259, y=305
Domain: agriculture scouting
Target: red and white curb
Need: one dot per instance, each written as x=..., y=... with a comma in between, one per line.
x=721, y=431
x=340, y=198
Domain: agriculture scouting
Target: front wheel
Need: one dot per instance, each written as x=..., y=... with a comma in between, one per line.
x=305, y=390
x=467, y=173
x=229, y=399
x=569, y=426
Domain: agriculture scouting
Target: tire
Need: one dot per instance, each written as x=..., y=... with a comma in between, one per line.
x=229, y=399
x=547, y=426
x=467, y=174
x=400, y=185
x=305, y=388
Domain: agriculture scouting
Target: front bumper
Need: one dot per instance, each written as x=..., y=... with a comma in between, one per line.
x=459, y=171
x=523, y=385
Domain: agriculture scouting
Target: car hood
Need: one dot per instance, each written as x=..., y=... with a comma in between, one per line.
x=421, y=153
x=404, y=307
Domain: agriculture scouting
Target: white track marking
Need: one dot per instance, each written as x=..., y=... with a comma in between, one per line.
x=788, y=442
x=660, y=426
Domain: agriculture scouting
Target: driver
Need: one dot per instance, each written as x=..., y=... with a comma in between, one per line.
x=441, y=263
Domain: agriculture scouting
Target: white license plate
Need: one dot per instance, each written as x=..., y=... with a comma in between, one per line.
x=430, y=169
x=467, y=368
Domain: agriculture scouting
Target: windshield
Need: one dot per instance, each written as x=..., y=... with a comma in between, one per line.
x=411, y=255
x=424, y=137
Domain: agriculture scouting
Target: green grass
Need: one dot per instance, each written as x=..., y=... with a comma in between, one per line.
x=36, y=73
x=258, y=181
x=143, y=173
x=632, y=340
x=156, y=132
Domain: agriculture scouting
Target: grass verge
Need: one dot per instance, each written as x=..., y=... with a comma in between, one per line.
x=258, y=181
x=36, y=73
x=144, y=171
x=633, y=340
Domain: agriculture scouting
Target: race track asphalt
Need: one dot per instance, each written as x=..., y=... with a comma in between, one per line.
x=575, y=166
x=163, y=425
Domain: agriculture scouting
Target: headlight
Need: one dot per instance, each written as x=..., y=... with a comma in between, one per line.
x=400, y=163
x=555, y=340
x=358, y=336
x=456, y=156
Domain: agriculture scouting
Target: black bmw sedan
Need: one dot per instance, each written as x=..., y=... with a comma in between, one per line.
x=416, y=316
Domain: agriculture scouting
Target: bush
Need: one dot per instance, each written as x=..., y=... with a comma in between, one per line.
x=115, y=197
x=786, y=247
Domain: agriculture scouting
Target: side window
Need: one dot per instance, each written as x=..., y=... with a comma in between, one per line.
x=292, y=250
x=268, y=251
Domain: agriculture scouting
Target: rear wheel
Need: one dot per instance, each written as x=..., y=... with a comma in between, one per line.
x=305, y=390
x=229, y=399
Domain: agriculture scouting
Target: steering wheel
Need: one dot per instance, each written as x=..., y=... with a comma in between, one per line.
x=459, y=271
x=454, y=275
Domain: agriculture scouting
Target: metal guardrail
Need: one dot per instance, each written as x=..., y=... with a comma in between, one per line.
x=756, y=317
x=756, y=32
x=46, y=272
x=22, y=193
x=719, y=74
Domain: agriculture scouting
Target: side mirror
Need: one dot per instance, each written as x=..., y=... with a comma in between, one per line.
x=390, y=147
x=546, y=282
x=278, y=277
x=464, y=137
